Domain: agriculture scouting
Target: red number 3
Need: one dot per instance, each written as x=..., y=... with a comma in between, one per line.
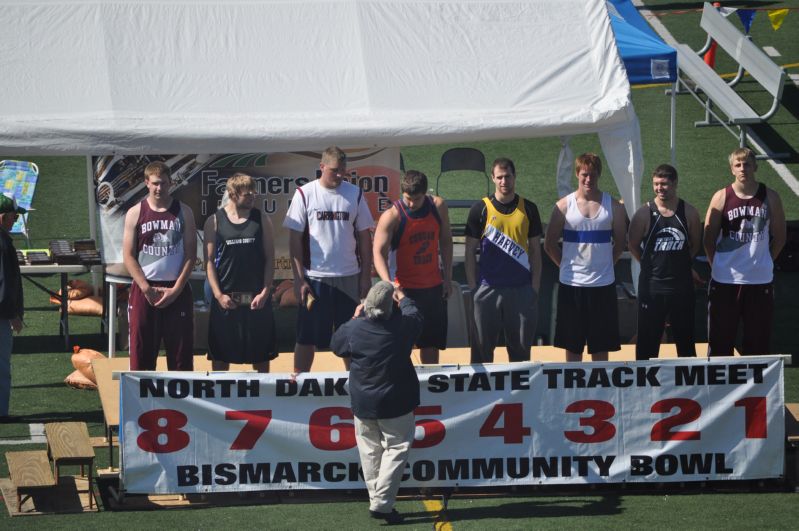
x=601, y=429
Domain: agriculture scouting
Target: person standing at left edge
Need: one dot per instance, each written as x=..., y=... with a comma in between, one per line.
x=11, y=304
x=159, y=247
x=384, y=390
x=240, y=250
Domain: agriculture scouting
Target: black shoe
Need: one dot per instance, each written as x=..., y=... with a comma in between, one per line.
x=391, y=518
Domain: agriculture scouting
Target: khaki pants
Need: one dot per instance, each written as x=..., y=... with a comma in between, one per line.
x=383, y=445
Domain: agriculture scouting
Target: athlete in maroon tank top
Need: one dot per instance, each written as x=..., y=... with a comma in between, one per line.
x=160, y=240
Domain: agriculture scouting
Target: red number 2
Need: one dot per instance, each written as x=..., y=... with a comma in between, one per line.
x=688, y=411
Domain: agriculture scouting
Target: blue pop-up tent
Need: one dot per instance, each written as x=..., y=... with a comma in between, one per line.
x=646, y=57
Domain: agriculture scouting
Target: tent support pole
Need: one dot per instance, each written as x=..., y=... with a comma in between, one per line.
x=673, y=123
x=96, y=277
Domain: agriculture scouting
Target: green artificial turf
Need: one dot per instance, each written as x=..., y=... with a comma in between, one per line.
x=40, y=363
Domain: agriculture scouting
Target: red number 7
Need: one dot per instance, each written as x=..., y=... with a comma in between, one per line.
x=257, y=421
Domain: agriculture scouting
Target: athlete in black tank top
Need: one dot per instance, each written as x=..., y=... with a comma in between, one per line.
x=664, y=235
x=666, y=256
x=239, y=255
x=240, y=251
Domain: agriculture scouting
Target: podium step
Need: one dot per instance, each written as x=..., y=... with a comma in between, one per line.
x=29, y=471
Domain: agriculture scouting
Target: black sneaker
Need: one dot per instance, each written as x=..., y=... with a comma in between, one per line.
x=391, y=518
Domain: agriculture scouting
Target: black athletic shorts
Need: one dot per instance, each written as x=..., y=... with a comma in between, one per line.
x=587, y=315
x=433, y=306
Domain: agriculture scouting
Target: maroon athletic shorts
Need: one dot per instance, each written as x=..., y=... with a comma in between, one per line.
x=149, y=325
x=727, y=306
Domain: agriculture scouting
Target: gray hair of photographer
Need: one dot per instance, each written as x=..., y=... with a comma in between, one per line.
x=379, y=302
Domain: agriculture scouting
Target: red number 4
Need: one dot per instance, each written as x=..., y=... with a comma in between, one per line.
x=512, y=430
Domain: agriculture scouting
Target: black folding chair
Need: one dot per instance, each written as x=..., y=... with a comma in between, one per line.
x=457, y=160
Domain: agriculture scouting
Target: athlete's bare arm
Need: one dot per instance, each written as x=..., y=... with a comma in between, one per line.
x=445, y=244
x=713, y=224
x=534, y=246
x=555, y=230
x=386, y=227
x=296, y=253
x=268, y=242
x=209, y=231
x=777, y=226
x=619, y=230
x=365, y=252
x=639, y=226
x=694, y=228
x=130, y=259
x=470, y=261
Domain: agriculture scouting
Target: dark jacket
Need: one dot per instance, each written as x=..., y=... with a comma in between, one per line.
x=383, y=382
x=11, y=306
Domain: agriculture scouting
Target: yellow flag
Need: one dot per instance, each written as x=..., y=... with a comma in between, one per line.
x=777, y=16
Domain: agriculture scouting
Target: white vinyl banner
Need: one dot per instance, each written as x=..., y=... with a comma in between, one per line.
x=493, y=425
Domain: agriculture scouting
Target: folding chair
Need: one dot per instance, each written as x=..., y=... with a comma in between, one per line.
x=19, y=180
x=462, y=159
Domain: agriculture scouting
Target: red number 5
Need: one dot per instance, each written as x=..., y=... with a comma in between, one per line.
x=434, y=430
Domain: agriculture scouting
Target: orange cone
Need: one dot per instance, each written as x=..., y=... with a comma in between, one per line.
x=710, y=55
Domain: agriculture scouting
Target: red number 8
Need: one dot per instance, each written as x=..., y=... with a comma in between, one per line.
x=176, y=439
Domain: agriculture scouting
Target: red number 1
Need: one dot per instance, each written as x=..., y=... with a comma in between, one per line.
x=754, y=416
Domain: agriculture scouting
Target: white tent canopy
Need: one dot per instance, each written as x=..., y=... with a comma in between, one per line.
x=150, y=77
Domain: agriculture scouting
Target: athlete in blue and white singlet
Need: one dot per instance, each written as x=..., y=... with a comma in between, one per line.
x=592, y=227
